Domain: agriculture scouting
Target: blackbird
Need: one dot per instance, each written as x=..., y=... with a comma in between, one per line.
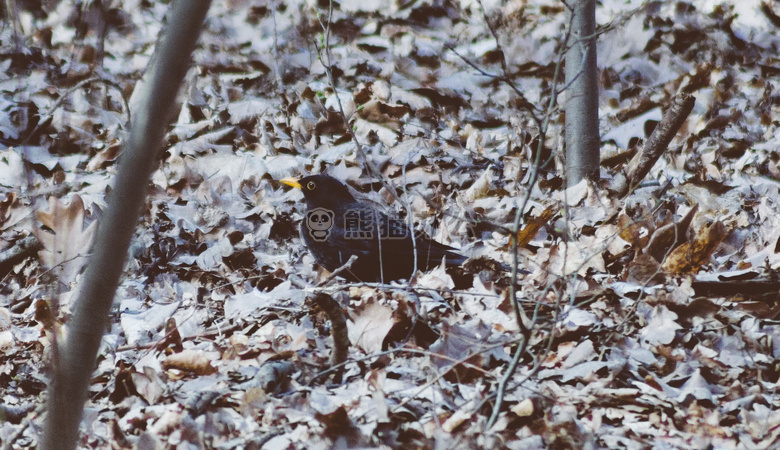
x=338, y=226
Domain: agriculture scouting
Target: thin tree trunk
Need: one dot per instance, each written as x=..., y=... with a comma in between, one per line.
x=582, y=106
x=73, y=372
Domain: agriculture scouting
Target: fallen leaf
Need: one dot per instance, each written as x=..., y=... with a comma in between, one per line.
x=68, y=243
x=635, y=233
x=189, y=360
x=533, y=226
x=670, y=236
x=690, y=256
x=369, y=325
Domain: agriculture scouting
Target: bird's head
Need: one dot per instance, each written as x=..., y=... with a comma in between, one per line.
x=321, y=191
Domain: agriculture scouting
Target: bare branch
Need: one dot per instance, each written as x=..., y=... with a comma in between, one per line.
x=326, y=62
x=659, y=140
x=68, y=389
x=338, y=271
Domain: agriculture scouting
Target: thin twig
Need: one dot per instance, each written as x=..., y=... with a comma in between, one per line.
x=346, y=266
x=456, y=362
x=434, y=380
x=659, y=140
x=525, y=331
x=44, y=118
x=367, y=164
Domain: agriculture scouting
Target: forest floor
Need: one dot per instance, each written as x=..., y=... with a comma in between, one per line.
x=648, y=320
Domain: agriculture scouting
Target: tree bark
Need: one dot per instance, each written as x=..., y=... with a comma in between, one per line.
x=582, y=104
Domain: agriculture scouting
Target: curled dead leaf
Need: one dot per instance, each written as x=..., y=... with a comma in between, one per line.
x=481, y=186
x=456, y=419
x=67, y=245
x=369, y=326
x=690, y=256
x=5, y=206
x=523, y=409
x=670, y=236
x=172, y=340
x=192, y=361
x=533, y=226
x=635, y=233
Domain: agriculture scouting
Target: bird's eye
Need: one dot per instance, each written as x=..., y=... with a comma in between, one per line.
x=310, y=185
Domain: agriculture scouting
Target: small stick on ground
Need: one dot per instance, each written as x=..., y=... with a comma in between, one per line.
x=656, y=145
x=347, y=265
x=338, y=330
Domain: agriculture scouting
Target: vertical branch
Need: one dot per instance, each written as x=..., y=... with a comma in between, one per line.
x=525, y=331
x=68, y=389
x=368, y=166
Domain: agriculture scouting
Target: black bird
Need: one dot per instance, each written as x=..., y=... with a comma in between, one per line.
x=338, y=226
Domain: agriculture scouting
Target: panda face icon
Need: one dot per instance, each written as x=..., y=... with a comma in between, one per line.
x=319, y=221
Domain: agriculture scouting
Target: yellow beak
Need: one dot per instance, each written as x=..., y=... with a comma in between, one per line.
x=291, y=182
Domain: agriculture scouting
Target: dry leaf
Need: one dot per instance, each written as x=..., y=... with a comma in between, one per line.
x=690, y=256
x=670, y=236
x=148, y=385
x=456, y=343
x=104, y=157
x=383, y=113
x=192, y=361
x=533, y=226
x=369, y=326
x=6, y=205
x=332, y=124
x=457, y=418
x=644, y=269
x=523, y=409
x=69, y=243
x=635, y=233
x=481, y=186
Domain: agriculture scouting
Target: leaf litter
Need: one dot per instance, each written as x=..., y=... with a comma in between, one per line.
x=212, y=343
